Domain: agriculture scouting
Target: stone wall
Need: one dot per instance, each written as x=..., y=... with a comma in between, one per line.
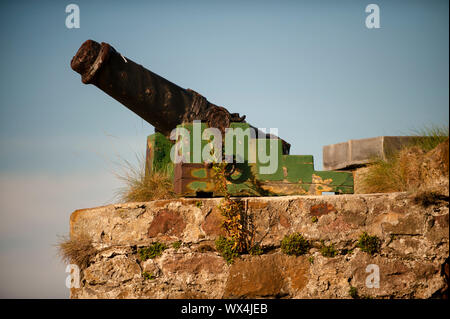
x=411, y=260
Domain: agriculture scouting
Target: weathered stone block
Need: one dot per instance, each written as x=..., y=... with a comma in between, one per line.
x=414, y=247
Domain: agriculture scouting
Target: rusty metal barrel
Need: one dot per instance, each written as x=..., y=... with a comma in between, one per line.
x=158, y=101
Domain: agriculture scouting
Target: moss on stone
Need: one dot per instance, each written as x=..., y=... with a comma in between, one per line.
x=353, y=292
x=226, y=247
x=176, y=244
x=148, y=276
x=369, y=244
x=152, y=251
x=295, y=244
x=256, y=250
x=199, y=204
x=328, y=251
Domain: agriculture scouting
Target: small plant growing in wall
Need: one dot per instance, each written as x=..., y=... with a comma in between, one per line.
x=237, y=224
x=369, y=244
x=295, y=244
x=148, y=276
x=199, y=204
x=176, y=244
x=226, y=247
x=346, y=251
x=314, y=219
x=256, y=250
x=152, y=251
x=353, y=292
x=328, y=251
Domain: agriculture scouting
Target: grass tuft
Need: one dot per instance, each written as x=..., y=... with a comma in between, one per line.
x=404, y=170
x=141, y=187
x=434, y=135
x=78, y=250
x=295, y=244
x=369, y=244
x=154, y=250
x=396, y=174
x=328, y=251
x=176, y=245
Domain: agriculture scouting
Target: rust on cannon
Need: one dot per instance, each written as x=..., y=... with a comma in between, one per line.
x=158, y=101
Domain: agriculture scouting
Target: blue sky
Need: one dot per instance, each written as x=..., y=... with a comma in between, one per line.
x=309, y=68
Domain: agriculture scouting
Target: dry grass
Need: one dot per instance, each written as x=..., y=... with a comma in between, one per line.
x=141, y=187
x=434, y=135
x=398, y=173
x=78, y=250
x=411, y=168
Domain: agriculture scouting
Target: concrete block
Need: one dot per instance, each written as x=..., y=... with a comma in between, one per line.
x=362, y=151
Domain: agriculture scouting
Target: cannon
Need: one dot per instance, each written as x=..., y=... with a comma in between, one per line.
x=167, y=106
x=158, y=101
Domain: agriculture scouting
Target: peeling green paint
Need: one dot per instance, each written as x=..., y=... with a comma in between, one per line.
x=294, y=175
x=200, y=173
x=198, y=186
x=158, y=154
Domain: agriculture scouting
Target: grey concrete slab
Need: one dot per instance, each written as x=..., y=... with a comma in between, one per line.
x=362, y=151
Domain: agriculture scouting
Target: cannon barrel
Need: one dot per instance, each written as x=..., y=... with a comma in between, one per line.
x=158, y=101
